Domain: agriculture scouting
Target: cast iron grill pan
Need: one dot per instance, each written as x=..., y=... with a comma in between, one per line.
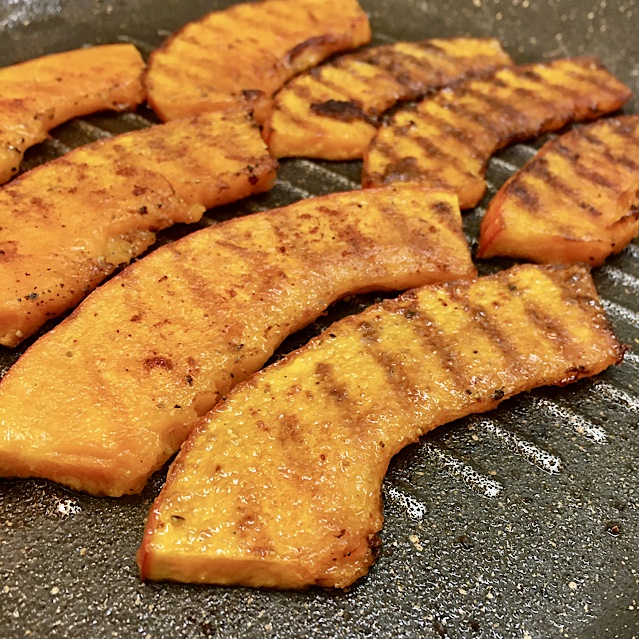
x=520, y=523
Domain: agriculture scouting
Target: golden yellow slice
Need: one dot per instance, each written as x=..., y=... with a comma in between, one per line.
x=577, y=200
x=40, y=94
x=448, y=139
x=242, y=55
x=157, y=346
x=332, y=112
x=279, y=485
x=66, y=225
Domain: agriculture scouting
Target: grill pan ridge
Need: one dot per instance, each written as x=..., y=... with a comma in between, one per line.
x=522, y=522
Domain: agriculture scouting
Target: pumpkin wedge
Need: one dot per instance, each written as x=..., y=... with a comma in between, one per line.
x=131, y=370
x=40, y=94
x=332, y=112
x=240, y=56
x=577, y=200
x=66, y=225
x=279, y=486
x=448, y=139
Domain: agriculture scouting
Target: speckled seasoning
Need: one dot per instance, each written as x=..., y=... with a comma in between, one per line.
x=522, y=523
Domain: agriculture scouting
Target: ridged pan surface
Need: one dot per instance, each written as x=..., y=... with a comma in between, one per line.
x=522, y=523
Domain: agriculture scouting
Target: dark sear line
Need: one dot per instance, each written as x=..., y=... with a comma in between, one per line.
x=622, y=160
x=530, y=96
x=334, y=389
x=529, y=199
x=575, y=94
x=335, y=87
x=435, y=149
x=444, y=211
x=588, y=175
x=408, y=169
x=397, y=374
x=466, y=138
x=483, y=317
x=403, y=67
x=627, y=133
x=539, y=168
x=551, y=325
x=501, y=112
x=589, y=78
x=342, y=110
x=436, y=342
x=526, y=195
x=464, y=110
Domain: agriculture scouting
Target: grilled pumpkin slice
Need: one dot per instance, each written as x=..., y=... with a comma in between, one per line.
x=242, y=55
x=154, y=348
x=66, y=225
x=332, y=112
x=279, y=486
x=577, y=200
x=40, y=94
x=448, y=139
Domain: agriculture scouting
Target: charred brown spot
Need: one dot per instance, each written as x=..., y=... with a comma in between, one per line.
x=527, y=198
x=290, y=429
x=403, y=170
x=442, y=208
x=246, y=522
x=125, y=171
x=369, y=334
x=252, y=94
x=338, y=393
x=342, y=110
x=8, y=251
x=158, y=362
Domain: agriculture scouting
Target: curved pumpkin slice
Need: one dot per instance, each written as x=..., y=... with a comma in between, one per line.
x=154, y=348
x=279, y=486
x=577, y=200
x=66, y=225
x=332, y=112
x=40, y=94
x=241, y=56
x=448, y=139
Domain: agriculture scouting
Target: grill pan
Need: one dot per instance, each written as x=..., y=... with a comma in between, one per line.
x=520, y=523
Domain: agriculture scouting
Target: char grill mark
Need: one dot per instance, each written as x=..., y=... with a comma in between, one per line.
x=515, y=104
x=574, y=201
x=343, y=110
